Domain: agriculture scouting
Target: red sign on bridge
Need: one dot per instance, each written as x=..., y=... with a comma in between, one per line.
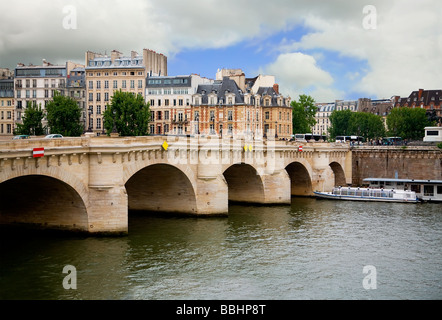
x=38, y=152
x=300, y=148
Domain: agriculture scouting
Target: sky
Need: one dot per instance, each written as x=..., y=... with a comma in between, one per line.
x=331, y=50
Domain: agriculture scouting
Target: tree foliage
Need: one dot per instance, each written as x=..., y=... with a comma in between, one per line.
x=64, y=116
x=129, y=113
x=408, y=123
x=304, y=112
x=32, y=117
x=339, y=123
x=348, y=123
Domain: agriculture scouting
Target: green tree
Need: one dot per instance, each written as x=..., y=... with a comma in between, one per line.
x=339, y=123
x=64, y=116
x=129, y=113
x=367, y=125
x=32, y=118
x=408, y=123
x=304, y=112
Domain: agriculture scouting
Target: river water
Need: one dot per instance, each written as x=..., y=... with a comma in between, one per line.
x=311, y=249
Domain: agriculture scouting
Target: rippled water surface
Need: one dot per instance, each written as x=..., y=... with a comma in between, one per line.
x=313, y=249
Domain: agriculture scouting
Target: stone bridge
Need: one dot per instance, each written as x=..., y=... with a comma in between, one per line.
x=90, y=184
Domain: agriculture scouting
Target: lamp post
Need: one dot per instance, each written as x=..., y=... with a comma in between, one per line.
x=114, y=128
x=90, y=116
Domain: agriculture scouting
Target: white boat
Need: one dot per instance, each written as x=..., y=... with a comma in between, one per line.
x=426, y=190
x=369, y=194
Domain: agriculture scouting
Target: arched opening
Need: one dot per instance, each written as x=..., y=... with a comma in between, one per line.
x=161, y=187
x=244, y=184
x=42, y=201
x=339, y=174
x=300, y=181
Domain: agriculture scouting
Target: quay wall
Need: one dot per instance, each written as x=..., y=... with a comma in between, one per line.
x=410, y=162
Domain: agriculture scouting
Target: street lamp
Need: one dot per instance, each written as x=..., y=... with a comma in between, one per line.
x=114, y=129
x=90, y=116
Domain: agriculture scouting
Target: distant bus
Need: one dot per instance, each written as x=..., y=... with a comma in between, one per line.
x=306, y=137
x=392, y=141
x=351, y=139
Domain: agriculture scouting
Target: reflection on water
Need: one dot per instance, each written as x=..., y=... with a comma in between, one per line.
x=313, y=249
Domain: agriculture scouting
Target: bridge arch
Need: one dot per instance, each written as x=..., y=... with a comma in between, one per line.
x=339, y=174
x=36, y=199
x=300, y=174
x=244, y=183
x=161, y=187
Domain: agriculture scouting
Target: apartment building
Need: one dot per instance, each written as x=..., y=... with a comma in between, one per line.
x=322, y=118
x=37, y=85
x=170, y=101
x=7, y=105
x=430, y=100
x=230, y=107
x=106, y=74
x=76, y=90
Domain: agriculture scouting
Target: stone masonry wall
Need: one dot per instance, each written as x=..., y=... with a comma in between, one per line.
x=396, y=162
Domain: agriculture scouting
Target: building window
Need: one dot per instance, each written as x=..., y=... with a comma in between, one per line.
x=267, y=115
x=98, y=109
x=180, y=116
x=166, y=117
x=106, y=96
x=140, y=83
x=99, y=123
x=98, y=84
x=115, y=84
x=123, y=84
x=98, y=96
x=132, y=84
x=91, y=84
x=212, y=115
x=106, y=84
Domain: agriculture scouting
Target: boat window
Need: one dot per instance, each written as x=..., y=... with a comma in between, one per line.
x=439, y=189
x=366, y=193
x=429, y=191
x=416, y=188
x=343, y=192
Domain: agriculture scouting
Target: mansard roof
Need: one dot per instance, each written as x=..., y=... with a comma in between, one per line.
x=221, y=89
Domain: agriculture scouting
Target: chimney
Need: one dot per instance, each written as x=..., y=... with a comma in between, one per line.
x=420, y=93
x=276, y=88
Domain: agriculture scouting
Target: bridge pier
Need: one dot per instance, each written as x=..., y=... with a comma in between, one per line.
x=107, y=210
x=277, y=187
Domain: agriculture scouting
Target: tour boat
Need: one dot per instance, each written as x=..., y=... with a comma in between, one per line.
x=369, y=194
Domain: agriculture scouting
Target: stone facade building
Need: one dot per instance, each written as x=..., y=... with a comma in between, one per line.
x=107, y=74
x=7, y=106
x=170, y=100
x=37, y=85
x=231, y=106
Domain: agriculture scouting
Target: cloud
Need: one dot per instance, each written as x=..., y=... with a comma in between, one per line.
x=298, y=73
x=401, y=54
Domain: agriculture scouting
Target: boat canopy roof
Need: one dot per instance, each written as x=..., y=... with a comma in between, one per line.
x=404, y=180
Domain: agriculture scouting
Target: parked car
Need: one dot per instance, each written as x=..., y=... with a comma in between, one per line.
x=53, y=136
x=21, y=136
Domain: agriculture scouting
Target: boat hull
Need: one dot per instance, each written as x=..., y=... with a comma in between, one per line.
x=325, y=195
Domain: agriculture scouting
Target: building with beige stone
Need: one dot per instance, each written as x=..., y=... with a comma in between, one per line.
x=106, y=74
x=236, y=105
x=7, y=105
x=170, y=99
